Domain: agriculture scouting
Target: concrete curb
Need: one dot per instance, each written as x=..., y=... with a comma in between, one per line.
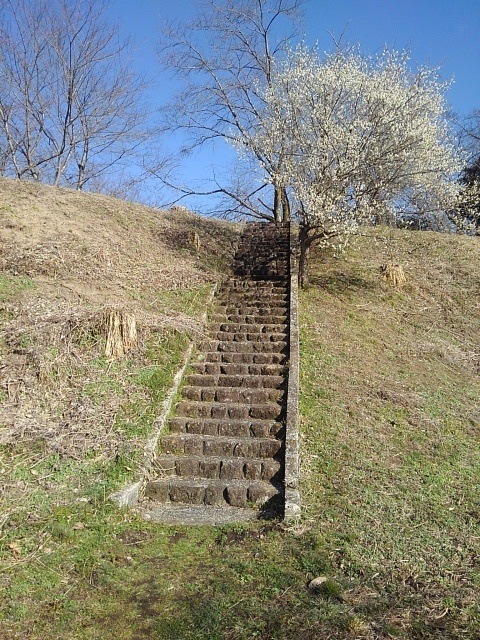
x=129, y=495
x=292, y=494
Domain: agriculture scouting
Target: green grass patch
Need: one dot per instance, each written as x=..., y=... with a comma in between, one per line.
x=11, y=286
x=389, y=477
x=389, y=424
x=190, y=302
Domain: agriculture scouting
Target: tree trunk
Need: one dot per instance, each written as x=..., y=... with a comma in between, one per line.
x=277, y=204
x=305, y=242
x=285, y=206
x=121, y=332
x=281, y=205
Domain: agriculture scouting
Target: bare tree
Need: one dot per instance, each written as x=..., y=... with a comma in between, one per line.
x=23, y=97
x=225, y=59
x=70, y=106
x=469, y=135
x=466, y=214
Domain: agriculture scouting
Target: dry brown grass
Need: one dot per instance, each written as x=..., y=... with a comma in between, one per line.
x=394, y=274
x=98, y=249
x=66, y=257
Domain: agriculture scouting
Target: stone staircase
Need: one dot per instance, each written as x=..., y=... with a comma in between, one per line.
x=222, y=457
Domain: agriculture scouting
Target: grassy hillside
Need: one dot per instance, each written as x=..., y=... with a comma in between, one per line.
x=67, y=258
x=390, y=422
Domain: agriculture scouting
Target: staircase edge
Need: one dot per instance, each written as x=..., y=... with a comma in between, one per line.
x=292, y=509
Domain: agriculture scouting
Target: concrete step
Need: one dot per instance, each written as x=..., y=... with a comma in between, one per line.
x=194, y=515
x=233, y=428
x=266, y=272
x=243, y=358
x=193, y=444
x=265, y=255
x=237, y=327
x=235, y=380
x=266, y=247
x=238, y=493
x=256, y=288
x=259, y=313
x=229, y=410
x=217, y=369
x=261, y=275
x=249, y=346
x=229, y=395
x=243, y=284
x=251, y=336
x=252, y=319
x=218, y=468
x=254, y=299
x=267, y=252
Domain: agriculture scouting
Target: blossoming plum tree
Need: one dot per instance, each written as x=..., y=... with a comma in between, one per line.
x=361, y=138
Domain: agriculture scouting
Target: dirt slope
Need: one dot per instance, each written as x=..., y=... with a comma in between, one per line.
x=66, y=257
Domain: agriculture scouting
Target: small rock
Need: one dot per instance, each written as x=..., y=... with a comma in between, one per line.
x=314, y=584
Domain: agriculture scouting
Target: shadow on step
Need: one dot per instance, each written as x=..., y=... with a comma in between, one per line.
x=272, y=509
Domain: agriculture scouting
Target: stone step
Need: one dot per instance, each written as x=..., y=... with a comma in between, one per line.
x=236, y=395
x=268, y=251
x=271, y=269
x=267, y=273
x=263, y=237
x=264, y=292
x=171, y=514
x=221, y=380
x=256, y=288
x=229, y=410
x=262, y=275
x=193, y=444
x=267, y=248
x=256, y=299
x=251, y=336
x=243, y=358
x=266, y=255
x=238, y=493
x=242, y=306
x=248, y=428
x=243, y=284
x=251, y=314
x=219, y=468
x=217, y=368
x=248, y=346
x=237, y=327
x=267, y=245
x=254, y=303
x=250, y=319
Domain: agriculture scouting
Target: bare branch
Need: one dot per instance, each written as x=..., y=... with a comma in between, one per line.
x=225, y=58
x=70, y=105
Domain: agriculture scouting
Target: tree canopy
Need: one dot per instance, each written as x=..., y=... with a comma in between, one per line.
x=356, y=138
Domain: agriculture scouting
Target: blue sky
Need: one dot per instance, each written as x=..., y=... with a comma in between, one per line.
x=436, y=32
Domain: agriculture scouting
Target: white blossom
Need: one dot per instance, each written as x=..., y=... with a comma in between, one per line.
x=357, y=138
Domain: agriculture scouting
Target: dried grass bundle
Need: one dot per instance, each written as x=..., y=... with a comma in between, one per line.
x=393, y=274
x=121, y=332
